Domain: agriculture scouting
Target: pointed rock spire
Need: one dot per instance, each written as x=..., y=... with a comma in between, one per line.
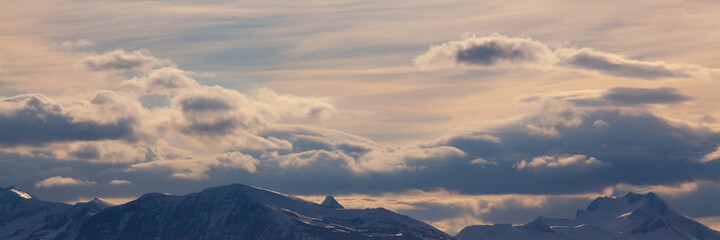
x=330, y=202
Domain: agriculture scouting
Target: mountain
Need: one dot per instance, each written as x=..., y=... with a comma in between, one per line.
x=331, y=203
x=634, y=216
x=227, y=212
x=23, y=216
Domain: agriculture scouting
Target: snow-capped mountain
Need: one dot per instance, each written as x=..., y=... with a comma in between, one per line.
x=634, y=216
x=227, y=212
x=23, y=216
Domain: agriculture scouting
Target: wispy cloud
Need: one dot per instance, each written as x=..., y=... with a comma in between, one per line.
x=121, y=60
x=617, y=97
x=72, y=45
x=616, y=65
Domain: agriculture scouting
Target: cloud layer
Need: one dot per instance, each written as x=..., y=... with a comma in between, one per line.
x=208, y=133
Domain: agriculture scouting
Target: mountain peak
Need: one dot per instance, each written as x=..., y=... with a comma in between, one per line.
x=538, y=225
x=18, y=192
x=101, y=202
x=633, y=216
x=330, y=202
x=632, y=197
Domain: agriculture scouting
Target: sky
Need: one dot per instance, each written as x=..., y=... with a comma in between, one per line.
x=452, y=112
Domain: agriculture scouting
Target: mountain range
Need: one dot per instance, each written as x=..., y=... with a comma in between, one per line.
x=243, y=212
x=227, y=212
x=632, y=217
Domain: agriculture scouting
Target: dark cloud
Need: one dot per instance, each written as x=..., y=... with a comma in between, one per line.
x=639, y=148
x=618, y=97
x=217, y=127
x=493, y=52
x=638, y=96
x=635, y=148
x=36, y=121
x=87, y=152
x=197, y=104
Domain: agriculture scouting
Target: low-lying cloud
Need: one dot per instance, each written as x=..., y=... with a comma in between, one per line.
x=577, y=162
x=58, y=181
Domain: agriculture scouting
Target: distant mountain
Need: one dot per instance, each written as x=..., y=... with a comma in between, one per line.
x=634, y=216
x=227, y=212
x=23, y=216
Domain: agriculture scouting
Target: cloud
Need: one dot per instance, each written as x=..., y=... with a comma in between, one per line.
x=58, y=181
x=501, y=51
x=639, y=96
x=495, y=50
x=184, y=167
x=121, y=60
x=711, y=156
x=671, y=190
x=161, y=81
x=321, y=148
x=609, y=146
x=616, y=65
x=238, y=160
x=214, y=110
x=80, y=43
x=210, y=135
x=201, y=129
x=35, y=119
x=616, y=97
x=481, y=161
x=120, y=182
x=577, y=162
x=293, y=107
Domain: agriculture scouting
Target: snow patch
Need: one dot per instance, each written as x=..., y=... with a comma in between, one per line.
x=624, y=215
x=21, y=193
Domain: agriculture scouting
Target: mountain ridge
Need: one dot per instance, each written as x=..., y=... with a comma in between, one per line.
x=633, y=216
x=234, y=211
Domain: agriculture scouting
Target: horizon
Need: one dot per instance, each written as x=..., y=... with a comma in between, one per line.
x=452, y=112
